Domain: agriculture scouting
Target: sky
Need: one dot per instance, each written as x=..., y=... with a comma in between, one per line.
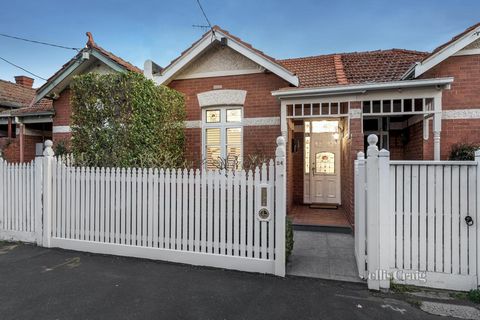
x=137, y=30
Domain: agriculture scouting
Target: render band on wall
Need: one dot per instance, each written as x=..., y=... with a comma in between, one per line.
x=225, y=97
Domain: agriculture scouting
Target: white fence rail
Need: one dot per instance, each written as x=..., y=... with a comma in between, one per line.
x=233, y=220
x=17, y=201
x=417, y=221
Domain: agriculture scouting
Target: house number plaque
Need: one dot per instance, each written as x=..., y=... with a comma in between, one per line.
x=263, y=214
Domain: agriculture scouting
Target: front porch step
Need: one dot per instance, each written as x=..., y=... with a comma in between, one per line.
x=322, y=228
x=328, y=206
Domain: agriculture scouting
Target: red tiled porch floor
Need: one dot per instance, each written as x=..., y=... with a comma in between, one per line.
x=304, y=215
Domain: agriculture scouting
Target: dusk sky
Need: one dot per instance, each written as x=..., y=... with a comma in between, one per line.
x=161, y=30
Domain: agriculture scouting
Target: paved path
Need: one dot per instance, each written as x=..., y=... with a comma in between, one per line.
x=323, y=255
x=39, y=283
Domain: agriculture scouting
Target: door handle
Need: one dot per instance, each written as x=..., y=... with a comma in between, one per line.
x=469, y=221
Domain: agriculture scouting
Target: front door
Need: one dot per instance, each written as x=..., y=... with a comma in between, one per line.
x=325, y=162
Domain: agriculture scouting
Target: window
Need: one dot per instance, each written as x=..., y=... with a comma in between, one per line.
x=223, y=137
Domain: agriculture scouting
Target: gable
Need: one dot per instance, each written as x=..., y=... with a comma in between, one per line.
x=472, y=48
x=215, y=37
x=455, y=46
x=219, y=61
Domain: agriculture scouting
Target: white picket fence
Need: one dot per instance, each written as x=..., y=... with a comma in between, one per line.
x=233, y=220
x=18, y=201
x=411, y=221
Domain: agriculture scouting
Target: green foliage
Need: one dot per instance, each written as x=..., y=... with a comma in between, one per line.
x=61, y=148
x=125, y=120
x=288, y=238
x=474, y=295
x=463, y=151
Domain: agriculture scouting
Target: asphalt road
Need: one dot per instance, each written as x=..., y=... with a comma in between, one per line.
x=39, y=283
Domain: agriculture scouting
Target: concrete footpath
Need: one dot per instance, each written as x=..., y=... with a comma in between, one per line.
x=39, y=283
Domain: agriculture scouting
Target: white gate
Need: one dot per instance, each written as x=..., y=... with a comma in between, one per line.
x=233, y=220
x=20, y=219
x=417, y=222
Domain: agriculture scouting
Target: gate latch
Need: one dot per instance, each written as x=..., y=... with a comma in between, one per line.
x=469, y=221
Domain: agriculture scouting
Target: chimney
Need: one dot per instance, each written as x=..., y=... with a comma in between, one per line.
x=24, y=81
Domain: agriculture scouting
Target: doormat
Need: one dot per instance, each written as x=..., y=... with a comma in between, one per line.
x=323, y=206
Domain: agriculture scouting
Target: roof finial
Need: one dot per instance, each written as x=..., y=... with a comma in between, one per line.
x=90, y=42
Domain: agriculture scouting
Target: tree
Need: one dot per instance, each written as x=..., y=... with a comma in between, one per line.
x=125, y=120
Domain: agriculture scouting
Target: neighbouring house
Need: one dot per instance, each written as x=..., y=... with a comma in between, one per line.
x=20, y=128
x=29, y=116
x=239, y=100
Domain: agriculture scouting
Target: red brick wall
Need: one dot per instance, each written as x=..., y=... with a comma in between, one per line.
x=259, y=102
x=11, y=151
x=464, y=94
x=63, y=109
x=298, y=174
x=407, y=148
x=350, y=148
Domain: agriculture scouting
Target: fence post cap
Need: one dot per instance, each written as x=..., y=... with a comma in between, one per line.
x=280, y=141
x=48, y=151
x=372, y=139
x=361, y=155
x=384, y=153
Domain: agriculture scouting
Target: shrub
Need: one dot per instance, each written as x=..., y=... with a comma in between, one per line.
x=125, y=120
x=463, y=151
x=474, y=295
x=288, y=238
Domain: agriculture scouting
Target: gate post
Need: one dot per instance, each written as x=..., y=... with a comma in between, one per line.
x=47, y=192
x=280, y=207
x=385, y=217
x=373, y=238
x=360, y=219
x=38, y=200
x=477, y=220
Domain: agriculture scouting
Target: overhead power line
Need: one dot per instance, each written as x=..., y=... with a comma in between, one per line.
x=17, y=66
x=39, y=42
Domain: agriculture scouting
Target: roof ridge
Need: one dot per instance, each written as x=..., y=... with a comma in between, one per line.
x=358, y=52
x=339, y=70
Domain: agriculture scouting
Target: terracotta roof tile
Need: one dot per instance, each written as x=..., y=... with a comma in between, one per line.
x=316, y=71
x=90, y=44
x=352, y=68
x=15, y=95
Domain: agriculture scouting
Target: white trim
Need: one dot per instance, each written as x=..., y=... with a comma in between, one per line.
x=222, y=73
x=461, y=114
x=467, y=52
x=261, y=121
x=61, y=129
x=355, y=113
x=225, y=97
x=223, y=125
x=190, y=124
x=446, y=52
x=362, y=88
x=206, y=41
x=246, y=122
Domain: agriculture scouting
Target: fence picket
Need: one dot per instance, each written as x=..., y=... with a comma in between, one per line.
x=455, y=220
x=463, y=213
x=162, y=200
x=447, y=225
x=208, y=215
x=414, y=219
x=439, y=216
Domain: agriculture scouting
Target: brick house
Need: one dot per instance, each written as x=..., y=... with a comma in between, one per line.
x=19, y=114
x=239, y=99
